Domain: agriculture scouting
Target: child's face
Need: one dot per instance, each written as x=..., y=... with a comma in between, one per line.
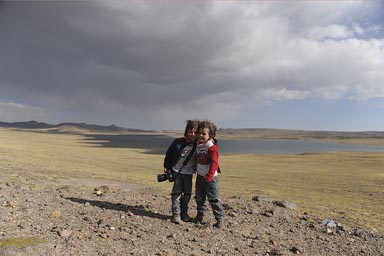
x=192, y=134
x=203, y=135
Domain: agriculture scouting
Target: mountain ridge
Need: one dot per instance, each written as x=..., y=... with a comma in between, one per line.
x=91, y=127
x=250, y=133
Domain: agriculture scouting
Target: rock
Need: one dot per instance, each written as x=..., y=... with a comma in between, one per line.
x=262, y=199
x=9, y=204
x=22, y=225
x=65, y=233
x=268, y=213
x=98, y=192
x=329, y=223
x=296, y=250
x=285, y=204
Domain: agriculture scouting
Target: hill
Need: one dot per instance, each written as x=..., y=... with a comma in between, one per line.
x=75, y=128
x=362, y=137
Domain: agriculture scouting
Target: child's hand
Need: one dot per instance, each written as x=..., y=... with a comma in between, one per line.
x=208, y=178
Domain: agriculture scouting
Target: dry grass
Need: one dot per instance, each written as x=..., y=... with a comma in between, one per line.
x=346, y=186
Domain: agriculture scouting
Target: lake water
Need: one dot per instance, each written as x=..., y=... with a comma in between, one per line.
x=158, y=144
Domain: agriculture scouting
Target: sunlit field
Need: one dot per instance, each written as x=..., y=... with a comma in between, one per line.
x=348, y=187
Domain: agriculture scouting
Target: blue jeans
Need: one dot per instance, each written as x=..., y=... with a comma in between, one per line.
x=206, y=189
x=181, y=194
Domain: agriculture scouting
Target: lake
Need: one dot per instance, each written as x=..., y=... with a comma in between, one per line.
x=158, y=144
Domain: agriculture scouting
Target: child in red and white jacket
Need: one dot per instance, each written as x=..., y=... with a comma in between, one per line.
x=207, y=174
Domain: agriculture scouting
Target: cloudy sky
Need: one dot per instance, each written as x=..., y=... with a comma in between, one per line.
x=152, y=64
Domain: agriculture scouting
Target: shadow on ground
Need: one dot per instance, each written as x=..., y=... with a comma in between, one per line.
x=136, y=210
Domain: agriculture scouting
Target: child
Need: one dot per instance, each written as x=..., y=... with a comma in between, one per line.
x=180, y=160
x=207, y=171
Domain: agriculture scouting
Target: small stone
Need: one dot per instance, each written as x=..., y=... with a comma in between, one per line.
x=340, y=227
x=285, y=204
x=98, y=192
x=232, y=214
x=174, y=236
x=295, y=250
x=262, y=199
x=9, y=204
x=329, y=223
x=22, y=226
x=65, y=233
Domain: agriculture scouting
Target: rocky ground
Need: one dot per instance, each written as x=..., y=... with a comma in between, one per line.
x=101, y=217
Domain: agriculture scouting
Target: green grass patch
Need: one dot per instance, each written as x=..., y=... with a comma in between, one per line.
x=20, y=242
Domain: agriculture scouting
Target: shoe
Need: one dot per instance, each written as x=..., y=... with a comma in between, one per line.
x=176, y=219
x=218, y=224
x=186, y=218
x=199, y=219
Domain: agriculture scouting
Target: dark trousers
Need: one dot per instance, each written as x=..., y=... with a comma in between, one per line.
x=181, y=193
x=210, y=190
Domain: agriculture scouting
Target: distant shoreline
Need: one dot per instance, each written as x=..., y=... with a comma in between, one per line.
x=367, y=138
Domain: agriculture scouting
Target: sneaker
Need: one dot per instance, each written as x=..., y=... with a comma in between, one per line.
x=199, y=219
x=218, y=224
x=186, y=218
x=176, y=219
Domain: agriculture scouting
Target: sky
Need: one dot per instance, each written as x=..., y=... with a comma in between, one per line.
x=152, y=64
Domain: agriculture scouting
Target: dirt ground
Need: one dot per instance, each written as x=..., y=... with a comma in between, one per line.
x=67, y=217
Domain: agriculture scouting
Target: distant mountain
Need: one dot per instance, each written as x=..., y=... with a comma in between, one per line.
x=251, y=133
x=26, y=125
x=66, y=127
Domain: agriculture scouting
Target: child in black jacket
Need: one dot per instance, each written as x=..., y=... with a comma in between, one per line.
x=180, y=159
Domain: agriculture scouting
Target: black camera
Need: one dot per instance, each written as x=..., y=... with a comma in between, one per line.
x=166, y=176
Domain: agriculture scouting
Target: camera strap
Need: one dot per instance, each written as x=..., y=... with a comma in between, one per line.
x=188, y=158
x=190, y=155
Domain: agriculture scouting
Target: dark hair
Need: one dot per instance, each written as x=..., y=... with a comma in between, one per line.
x=211, y=126
x=191, y=124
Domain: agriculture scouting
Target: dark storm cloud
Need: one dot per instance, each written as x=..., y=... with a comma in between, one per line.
x=158, y=61
x=73, y=48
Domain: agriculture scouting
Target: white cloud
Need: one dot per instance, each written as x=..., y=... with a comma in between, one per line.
x=12, y=112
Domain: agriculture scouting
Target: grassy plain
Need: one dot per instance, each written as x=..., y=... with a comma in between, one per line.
x=348, y=187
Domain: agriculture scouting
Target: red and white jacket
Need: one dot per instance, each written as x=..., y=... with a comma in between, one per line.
x=207, y=154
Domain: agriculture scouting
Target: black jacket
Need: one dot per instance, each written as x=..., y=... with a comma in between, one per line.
x=173, y=152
